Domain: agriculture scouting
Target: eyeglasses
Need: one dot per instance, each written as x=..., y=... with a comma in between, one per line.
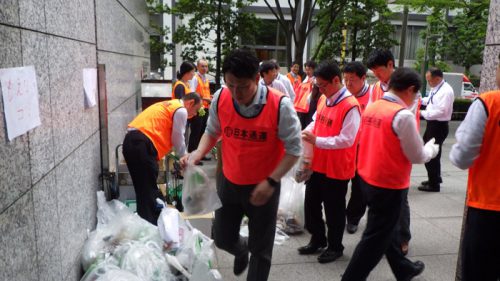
x=321, y=86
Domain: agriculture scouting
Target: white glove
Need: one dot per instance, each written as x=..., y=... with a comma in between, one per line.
x=431, y=147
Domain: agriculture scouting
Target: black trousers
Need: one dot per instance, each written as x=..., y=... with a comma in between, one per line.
x=321, y=190
x=357, y=203
x=380, y=236
x=261, y=226
x=195, y=124
x=439, y=131
x=140, y=155
x=404, y=233
x=481, y=246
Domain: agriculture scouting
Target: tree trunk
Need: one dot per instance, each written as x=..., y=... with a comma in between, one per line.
x=354, y=39
x=402, y=47
x=219, y=43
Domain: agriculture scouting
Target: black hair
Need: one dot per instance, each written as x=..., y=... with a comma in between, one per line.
x=328, y=70
x=294, y=63
x=192, y=96
x=186, y=66
x=355, y=67
x=435, y=72
x=311, y=64
x=241, y=63
x=403, y=78
x=276, y=64
x=266, y=66
x=379, y=57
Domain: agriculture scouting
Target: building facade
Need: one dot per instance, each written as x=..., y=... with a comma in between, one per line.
x=50, y=175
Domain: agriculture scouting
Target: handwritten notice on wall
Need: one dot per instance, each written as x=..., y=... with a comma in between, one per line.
x=20, y=100
x=90, y=86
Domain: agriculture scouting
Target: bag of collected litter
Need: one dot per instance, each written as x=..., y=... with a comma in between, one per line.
x=196, y=248
x=145, y=260
x=303, y=172
x=291, y=206
x=116, y=224
x=279, y=237
x=168, y=225
x=199, y=195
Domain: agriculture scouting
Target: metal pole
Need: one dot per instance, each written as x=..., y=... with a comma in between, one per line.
x=423, y=66
x=402, y=47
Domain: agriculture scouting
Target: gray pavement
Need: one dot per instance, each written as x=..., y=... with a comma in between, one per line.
x=436, y=220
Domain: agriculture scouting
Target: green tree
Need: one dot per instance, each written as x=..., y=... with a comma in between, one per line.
x=367, y=25
x=458, y=38
x=225, y=19
x=301, y=24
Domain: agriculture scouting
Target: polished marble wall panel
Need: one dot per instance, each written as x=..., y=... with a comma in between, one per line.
x=48, y=242
x=123, y=77
x=72, y=122
x=17, y=241
x=138, y=10
x=14, y=155
x=493, y=31
x=9, y=12
x=117, y=122
x=71, y=18
x=489, y=69
x=118, y=31
x=77, y=183
x=32, y=14
x=41, y=138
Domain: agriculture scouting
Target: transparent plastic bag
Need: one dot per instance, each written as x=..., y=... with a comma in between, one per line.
x=199, y=195
x=291, y=206
x=303, y=172
x=196, y=249
x=146, y=260
x=168, y=225
x=116, y=224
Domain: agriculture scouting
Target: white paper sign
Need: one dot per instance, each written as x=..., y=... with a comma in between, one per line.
x=20, y=100
x=90, y=86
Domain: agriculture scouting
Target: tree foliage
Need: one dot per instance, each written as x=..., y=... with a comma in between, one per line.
x=159, y=41
x=203, y=20
x=305, y=17
x=367, y=26
x=458, y=36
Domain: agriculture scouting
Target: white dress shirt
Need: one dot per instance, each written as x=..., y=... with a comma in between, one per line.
x=404, y=125
x=469, y=136
x=277, y=85
x=178, y=130
x=288, y=85
x=439, y=103
x=349, y=130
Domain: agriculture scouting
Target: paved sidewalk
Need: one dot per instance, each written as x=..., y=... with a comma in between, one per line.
x=436, y=220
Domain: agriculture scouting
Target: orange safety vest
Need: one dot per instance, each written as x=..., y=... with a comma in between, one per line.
x=251, y=147
x=296, y=81
x=156, y=123
x=302, y=94
x=381, y=161
x=203, y=89
x=364, y=100
x=334, y=163
x=187, y=89
x=377, y=92
x=483, y=185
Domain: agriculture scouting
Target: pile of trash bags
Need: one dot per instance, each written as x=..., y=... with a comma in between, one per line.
x=127, y=248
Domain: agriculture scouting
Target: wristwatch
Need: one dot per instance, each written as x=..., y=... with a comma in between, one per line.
x=272, y=182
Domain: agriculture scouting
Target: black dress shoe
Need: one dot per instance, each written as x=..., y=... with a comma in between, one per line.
x=429, y=188
x=311, y=248
x=329, y=255
x=418, y=268
x=427, y=182
x=240, y=264
x=351, y=228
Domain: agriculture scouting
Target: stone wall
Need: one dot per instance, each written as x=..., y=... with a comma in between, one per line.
x=49, y=176
x=492, y=48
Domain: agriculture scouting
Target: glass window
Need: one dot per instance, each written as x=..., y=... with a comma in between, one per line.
x=269, y=42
